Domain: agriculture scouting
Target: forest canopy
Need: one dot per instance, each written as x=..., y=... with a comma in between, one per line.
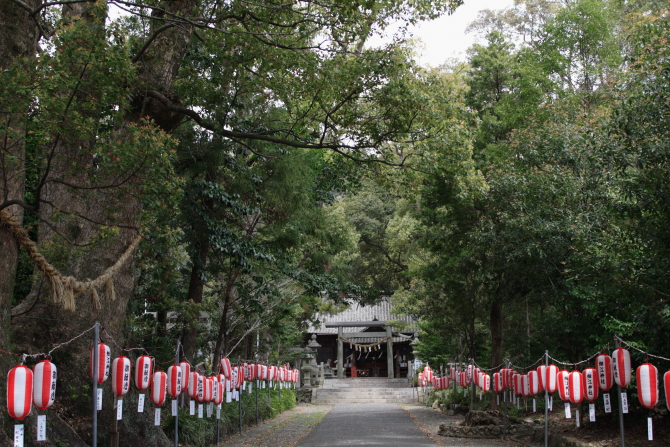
x=218, y=172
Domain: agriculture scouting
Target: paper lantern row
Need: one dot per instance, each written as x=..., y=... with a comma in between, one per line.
x=26, y=387
x=573, y=386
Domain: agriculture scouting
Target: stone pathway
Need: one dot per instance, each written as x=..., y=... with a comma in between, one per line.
x=373, y=425
x=286, y=430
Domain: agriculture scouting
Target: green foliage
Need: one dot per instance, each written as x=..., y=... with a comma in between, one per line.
x=201, y=432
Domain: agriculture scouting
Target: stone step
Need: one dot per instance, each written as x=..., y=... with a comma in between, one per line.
x=367, y=392
x=366, y=383
x=318, y=401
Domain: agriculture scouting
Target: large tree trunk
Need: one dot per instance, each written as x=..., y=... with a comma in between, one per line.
x=48, y=323
x=18, y=40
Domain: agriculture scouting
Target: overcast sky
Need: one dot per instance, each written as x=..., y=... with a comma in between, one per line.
x=445, y=37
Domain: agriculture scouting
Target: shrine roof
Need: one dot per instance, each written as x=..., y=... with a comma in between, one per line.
x=357, y=313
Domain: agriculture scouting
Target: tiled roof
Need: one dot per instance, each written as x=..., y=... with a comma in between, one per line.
x=356, y=312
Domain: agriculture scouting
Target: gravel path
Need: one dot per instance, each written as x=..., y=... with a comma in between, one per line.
x=429, y=421
x=286, y=430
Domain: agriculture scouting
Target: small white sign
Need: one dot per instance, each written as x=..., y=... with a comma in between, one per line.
x=157, y=417
x=140, y=403
x=650, y=429
x=577, y=418
x=209, y=410
x=99, y=399
x=218, y=411
x=228, y=397
x=18, y=435
x=624, y=403
x=263, y=383
x=42, y=427
x=200, y=411
x=534, y=406
x=251, y=387
x=244, y=386
x=568, y=414
x=119, y=409
x=608, y=403
x=551, y=403
x=174, y=407
x=592, y=412
x=192, y=408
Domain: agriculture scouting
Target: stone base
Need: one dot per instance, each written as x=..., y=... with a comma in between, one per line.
x=484, y=431
x=304, y=396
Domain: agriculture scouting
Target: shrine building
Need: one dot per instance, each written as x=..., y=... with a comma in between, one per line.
x=361, y=341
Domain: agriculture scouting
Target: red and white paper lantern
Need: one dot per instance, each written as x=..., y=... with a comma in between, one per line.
x=576, y=385
x=518, y=384
x=485, y=381
x=226, y=369
x=192, y=389
x=200, y=388
x=44, y=384
x=525, y=385
x=185, y=374
x=121, y=376
x=622, y=367
x=104, y=361
x=174, y=381
x=19, y=392
x=218, y=396
x=647, y=385
x=666, y=387
x=605, y=372
x=498, y=382
x=533, y=383
x=144, y=366
x=158, y=388
x=591, y=387
x=208, y=389
x=542, y=376
x=551, y=379
x=563, y=380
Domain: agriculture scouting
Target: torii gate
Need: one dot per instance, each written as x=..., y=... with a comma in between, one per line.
x=340, y=346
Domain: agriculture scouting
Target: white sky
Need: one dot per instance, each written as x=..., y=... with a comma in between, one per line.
x=445, y=37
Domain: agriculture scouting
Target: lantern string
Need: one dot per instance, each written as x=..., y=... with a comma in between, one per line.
x=640, y=350
x=120, y=348
x=495, y=368
x=530, y=366
x=578, y=363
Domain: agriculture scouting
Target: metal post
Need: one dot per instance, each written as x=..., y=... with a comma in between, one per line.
x=546, y=400
x=257, y=385
x=239, y=395
x=505, y=409
x=176, y=418
x=623, y=441
x=218, y=420
x=96, y=337
x=268, y=383
x=340, y=353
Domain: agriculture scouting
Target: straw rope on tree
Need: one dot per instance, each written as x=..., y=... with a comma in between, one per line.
x=64, y=288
